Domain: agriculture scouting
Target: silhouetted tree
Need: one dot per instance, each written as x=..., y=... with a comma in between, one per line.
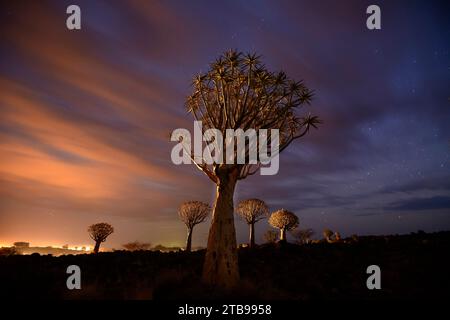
x=302, y=236
x=136, y=245
x=193, y=213
x=99, y=232
x=283, y=220
x=271, y=236
x=238, y=92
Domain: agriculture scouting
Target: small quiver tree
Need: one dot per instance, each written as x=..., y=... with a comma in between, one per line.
x=192, y=213
x=302, y=236
x=99, y=232
x=252, y=210
x=283, y=220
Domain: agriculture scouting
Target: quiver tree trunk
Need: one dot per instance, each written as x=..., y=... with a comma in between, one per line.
x=221, y=262
x=97, y=246
x=251, y=242
x=189, y=240
x=283, y=234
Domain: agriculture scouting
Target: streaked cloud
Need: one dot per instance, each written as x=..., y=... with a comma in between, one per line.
x=86, y=116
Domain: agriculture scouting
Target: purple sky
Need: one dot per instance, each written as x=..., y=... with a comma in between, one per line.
x=85, y=116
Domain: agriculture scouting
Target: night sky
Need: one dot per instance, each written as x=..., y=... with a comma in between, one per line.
x=86, y=116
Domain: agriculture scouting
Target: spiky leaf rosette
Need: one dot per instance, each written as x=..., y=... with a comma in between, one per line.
x=239, y=92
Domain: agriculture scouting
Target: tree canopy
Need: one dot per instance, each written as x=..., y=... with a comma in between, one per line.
x=193, y=213
x=252, y=210
x=283, y=219
x=100, y=231
x=239, y=92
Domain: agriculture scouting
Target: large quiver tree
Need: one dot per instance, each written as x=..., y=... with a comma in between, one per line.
x=238, y=92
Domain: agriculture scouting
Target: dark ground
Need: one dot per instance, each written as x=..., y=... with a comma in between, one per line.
x=415, y=266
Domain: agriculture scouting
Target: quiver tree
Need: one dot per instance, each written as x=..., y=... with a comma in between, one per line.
x=239, y=93
x=302, y=236
x=192, y=213
x=283, y=220
x=99, y=232
x=252, y=210
x=271, y=236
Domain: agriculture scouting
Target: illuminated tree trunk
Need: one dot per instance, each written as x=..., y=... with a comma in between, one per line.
x=97, y=246
x=221, y=262
x=282, y=234
x=252, y=235
x=189, y=240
